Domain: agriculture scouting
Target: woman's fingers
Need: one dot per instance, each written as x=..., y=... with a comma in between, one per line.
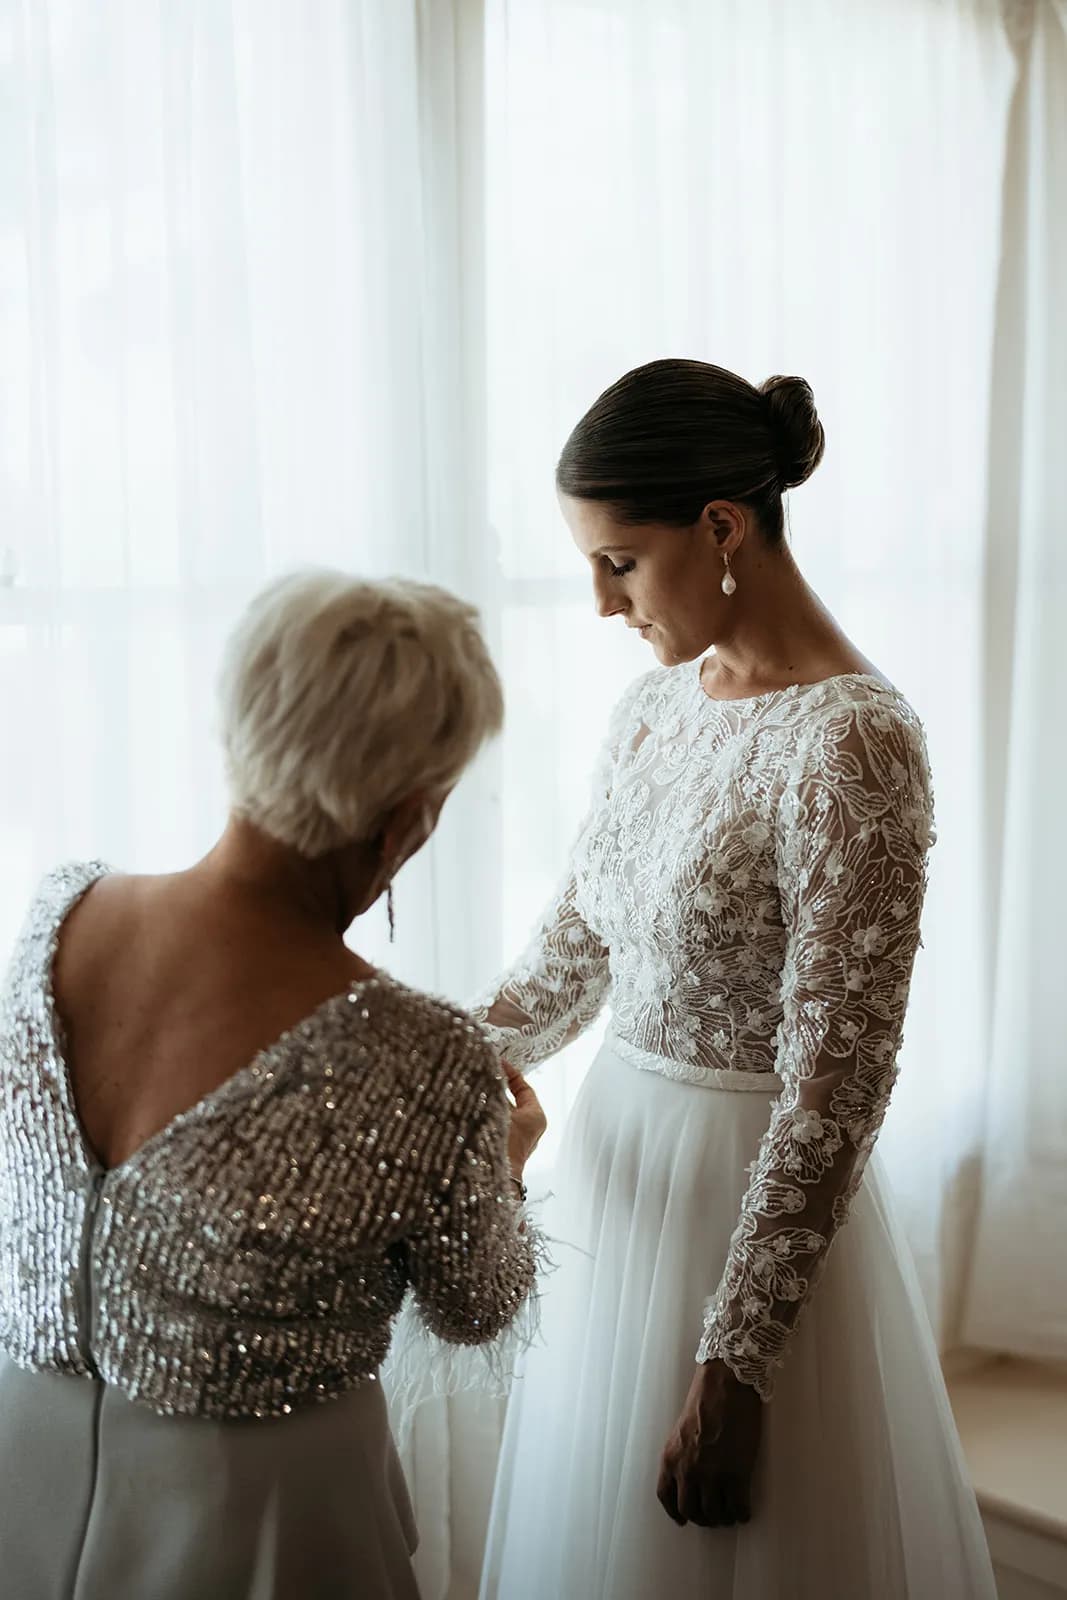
x=667, y=1493
x=518, y=1084
x=527, y=1106
x=738, y=1500
x=724, y=1501
x=718, y=1509
x=690, y=1501
x=709, y=1502
x=528, y=1120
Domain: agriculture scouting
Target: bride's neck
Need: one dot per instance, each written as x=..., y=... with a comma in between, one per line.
x=778, y=630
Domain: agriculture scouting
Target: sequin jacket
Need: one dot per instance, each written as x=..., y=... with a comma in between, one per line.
x=251, y=1256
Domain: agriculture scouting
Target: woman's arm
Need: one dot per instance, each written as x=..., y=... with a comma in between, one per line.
x=854, y=832
x=471, y=1258
x=553, y=992
x=559, y=983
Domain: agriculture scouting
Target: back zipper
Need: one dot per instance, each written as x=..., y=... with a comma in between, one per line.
x=87, y=1298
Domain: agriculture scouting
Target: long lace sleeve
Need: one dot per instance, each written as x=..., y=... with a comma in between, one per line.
x=560, y=982
x=855, y=826
x=554, y=990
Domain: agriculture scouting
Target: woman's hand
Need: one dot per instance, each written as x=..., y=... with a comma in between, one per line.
x=706, y=1472
x=528, y=1121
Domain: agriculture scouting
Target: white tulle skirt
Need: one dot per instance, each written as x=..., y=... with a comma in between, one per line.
x=861, y=1491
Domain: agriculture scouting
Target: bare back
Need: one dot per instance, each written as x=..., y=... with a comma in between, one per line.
x=167, y=986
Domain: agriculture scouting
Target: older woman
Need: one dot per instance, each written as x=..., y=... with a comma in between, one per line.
x=228, y=1146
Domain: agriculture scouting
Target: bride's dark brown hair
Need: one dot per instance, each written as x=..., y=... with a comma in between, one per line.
x=673, y=435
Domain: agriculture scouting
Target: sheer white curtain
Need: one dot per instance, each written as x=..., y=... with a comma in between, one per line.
x=231, y=324
x=1017, y=1296
x=811, y=189
x=237, y=333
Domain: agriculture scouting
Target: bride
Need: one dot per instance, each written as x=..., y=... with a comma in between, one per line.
x=729, y=1400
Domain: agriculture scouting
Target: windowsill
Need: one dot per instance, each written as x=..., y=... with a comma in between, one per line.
x=1012, y=1418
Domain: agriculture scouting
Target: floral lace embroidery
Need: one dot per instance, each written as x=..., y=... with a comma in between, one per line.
x=745, y=892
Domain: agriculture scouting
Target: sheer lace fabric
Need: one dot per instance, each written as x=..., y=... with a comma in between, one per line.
x=745, y=893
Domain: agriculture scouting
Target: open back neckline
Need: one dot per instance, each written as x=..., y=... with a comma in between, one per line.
x=218, y=1095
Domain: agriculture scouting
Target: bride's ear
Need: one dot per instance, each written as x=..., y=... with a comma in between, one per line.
x=725, y=523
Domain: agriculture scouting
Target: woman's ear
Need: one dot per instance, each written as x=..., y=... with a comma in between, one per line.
x=408, y=826
x=726, y=524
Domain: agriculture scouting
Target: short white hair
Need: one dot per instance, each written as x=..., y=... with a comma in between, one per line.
x=339, y=698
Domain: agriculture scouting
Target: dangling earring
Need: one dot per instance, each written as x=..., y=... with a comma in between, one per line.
x=390, y=912
x=729, y=582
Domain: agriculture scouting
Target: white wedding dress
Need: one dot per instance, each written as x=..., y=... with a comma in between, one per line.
x=745, y=896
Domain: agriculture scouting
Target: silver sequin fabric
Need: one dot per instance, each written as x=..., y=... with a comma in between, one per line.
x=250, y=1258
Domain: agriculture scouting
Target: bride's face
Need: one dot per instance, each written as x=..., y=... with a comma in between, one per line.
x=664, y=581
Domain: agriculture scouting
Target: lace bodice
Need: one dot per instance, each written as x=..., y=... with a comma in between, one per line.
x=745, y=893
x=251, y=1257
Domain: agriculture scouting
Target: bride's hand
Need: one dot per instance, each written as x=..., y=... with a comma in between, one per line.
x=528, y=1121
x=706, y=1471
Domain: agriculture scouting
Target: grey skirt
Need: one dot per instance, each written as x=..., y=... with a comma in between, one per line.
x=101, y=1499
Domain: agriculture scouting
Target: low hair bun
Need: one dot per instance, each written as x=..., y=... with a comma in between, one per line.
x=796, y=432
x=669, y=437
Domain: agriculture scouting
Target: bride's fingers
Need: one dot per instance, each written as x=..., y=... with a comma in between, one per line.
x=689, y=1504
x=736, y=1497
x=667, y=1494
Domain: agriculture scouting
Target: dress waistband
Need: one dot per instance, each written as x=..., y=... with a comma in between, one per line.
x=701, y=1077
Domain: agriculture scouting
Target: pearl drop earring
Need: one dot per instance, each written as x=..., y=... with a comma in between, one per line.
x=729, y=582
